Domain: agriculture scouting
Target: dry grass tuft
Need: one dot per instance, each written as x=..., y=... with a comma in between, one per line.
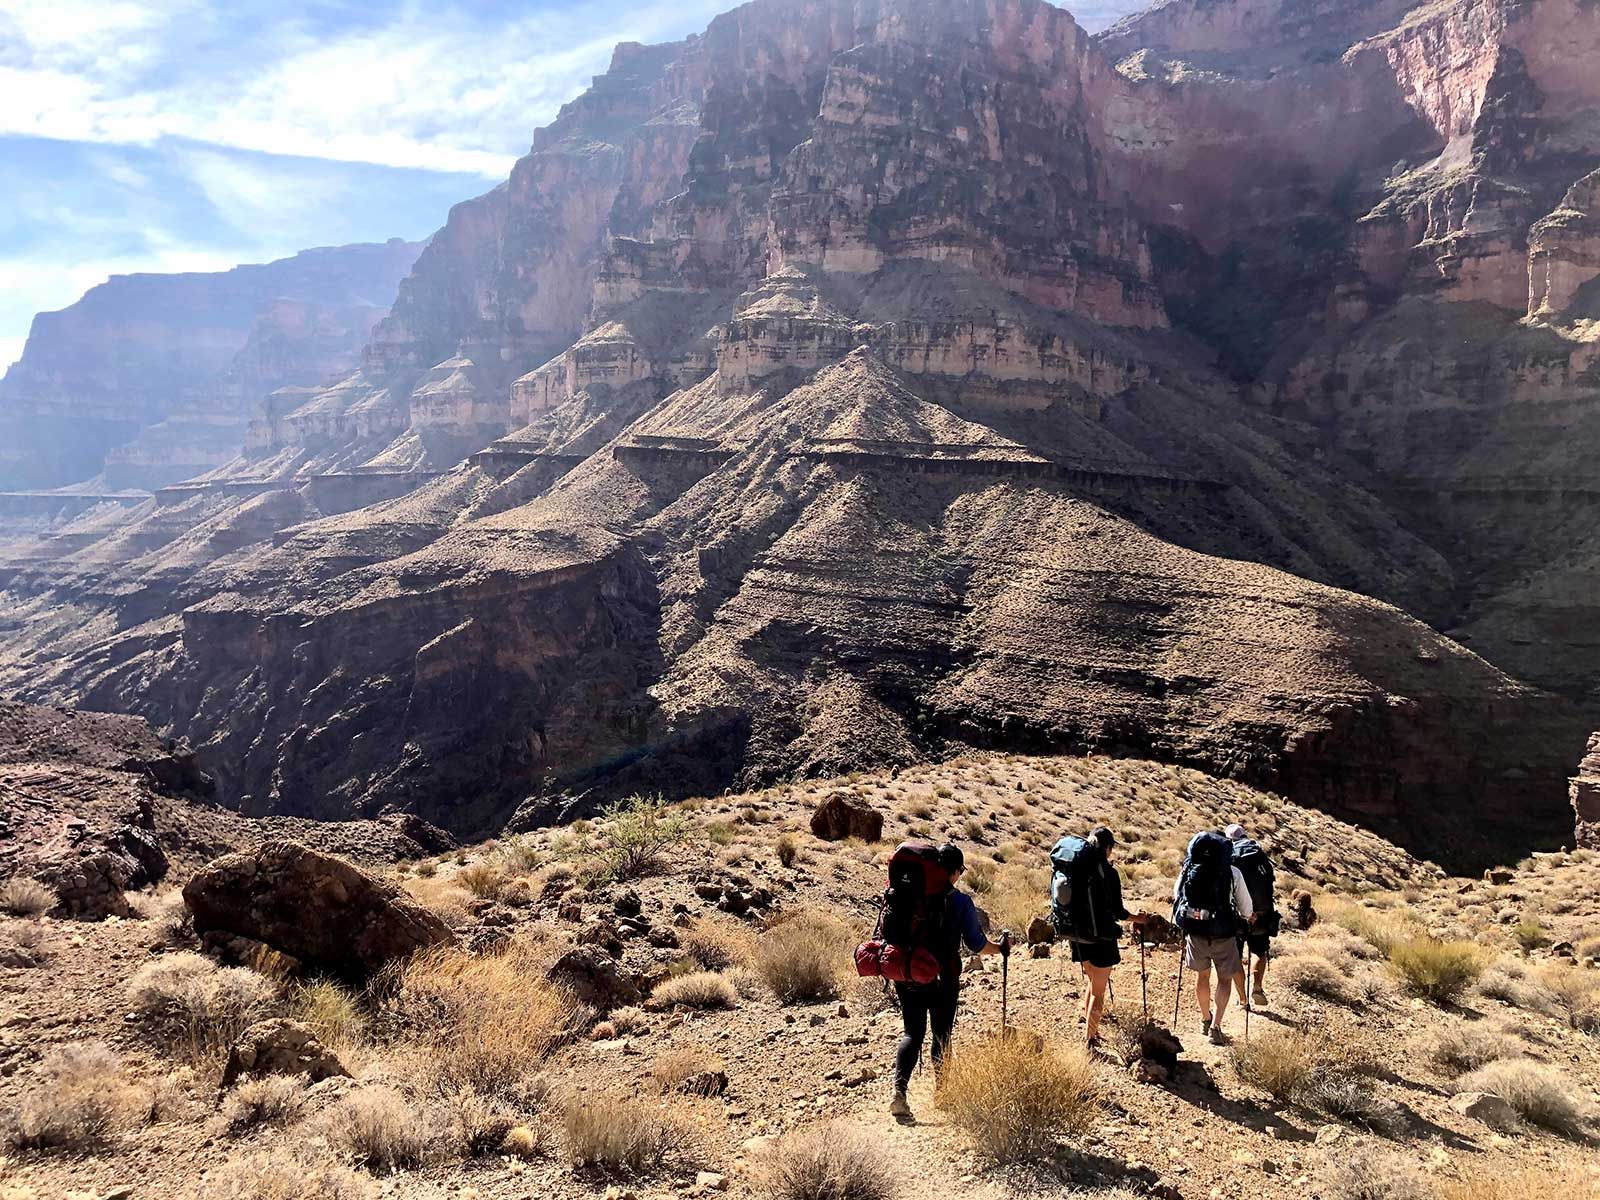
x=478, y=1125
x=23, y=897
x=382, y=1130
x=698, y=989
x=1373, y=1175
x=1461, y=1047
x=331, y=1010
x=194, y=1006
x=1312, y=974
x=624, y=1134
x=273, y=1100
x=80, y=1101
x=829, y=1163
x=1540, y=1094
x=1014, y=1096
x=804, y=958
x=486, y=1021
x=677, y=1067
x=717, y=943
x=280, y=1175
x=1279, y=1062
x=1572, y=1181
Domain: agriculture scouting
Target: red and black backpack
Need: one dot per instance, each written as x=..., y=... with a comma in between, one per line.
x=910, y=920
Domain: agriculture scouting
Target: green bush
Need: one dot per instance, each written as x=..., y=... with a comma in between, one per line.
x=636, y=831
x=1436, y=970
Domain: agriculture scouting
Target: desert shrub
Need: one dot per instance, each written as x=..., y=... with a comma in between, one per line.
x=1577, y=996
x=828, y=1163
x=486, y=1020
x=1539, y=1093
x=1436, y=970
x=698, y=989
x=636, y=831
x=629, y=1020
x=271, y=1100
x=1279, y=1062
x=1511, y=983
x=1313, y=975
x=520, y=854
x=1373, y=1175
x=486, y=880
x=678, y=1066
x=1459, y=1048
x=803, y=958
x=1347, y=1097
x=195, y=1006
x=621, y=1133
x=1571, y=1181
x=788, y=848
x=23, y=897
x=382, y=1130
x=746, y=981
x=1014, y=1096
x=717, y=943
x=1380, y=930
x=281, y=1175
x=331, y=1010
x=80, y=1100
x=477, y=1124
x=1530, y=933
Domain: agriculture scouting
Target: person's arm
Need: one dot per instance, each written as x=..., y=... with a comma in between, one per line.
x=972, y=930
x=1243, y=905
x=1117, y=905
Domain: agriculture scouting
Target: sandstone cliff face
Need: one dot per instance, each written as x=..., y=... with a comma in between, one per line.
x=198, y=351
x=858, y=381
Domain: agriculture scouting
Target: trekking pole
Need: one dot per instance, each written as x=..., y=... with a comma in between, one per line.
x=1005, y=983
x=1248, y=1004
x=1144, y=986
x=1177, y=997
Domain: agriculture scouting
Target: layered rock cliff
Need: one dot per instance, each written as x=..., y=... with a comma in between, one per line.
x=857, y=381
x=151, y=378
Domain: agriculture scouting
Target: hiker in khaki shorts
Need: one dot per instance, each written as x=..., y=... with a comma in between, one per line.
x=1211, y=904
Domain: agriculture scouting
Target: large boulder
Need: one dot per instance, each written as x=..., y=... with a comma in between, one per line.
x=322, y=910
x=91, y=870
x=1584, y=791
x=595, y=978
x=841, y=816
x=280, y=1047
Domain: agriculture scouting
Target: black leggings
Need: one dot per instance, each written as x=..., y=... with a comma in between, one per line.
x=919, y=1005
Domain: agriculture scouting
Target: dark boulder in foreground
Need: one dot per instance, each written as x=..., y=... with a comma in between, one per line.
x=322, y=910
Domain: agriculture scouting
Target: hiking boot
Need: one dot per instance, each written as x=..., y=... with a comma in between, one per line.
x=899, y=1109
x=1216, y=1036
x=1205, y=1024
x=1259, y=998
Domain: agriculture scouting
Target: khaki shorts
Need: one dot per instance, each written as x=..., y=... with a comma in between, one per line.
x=1203, y=953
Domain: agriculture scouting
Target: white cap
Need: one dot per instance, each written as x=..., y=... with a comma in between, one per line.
x=1235, y=833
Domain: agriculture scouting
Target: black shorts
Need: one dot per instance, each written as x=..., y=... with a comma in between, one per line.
x=1260, y=944
x=1096, y=954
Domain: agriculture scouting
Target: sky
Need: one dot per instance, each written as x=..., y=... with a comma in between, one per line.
x=192, y=135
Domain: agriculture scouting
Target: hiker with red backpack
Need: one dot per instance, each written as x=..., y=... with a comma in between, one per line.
x=1211, y=904
x=1085, y=906
x=1265, y=922
x=922, y=926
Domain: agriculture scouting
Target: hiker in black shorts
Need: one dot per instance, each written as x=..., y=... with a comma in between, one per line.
x=1259, y=876
x=1085, y=906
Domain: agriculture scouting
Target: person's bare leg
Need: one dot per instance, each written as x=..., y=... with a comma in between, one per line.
x=1088, y=993
x=1261, y=971
x=1097, y=999
x=1224, y=990
x=1238, y=985
x=1202, y=992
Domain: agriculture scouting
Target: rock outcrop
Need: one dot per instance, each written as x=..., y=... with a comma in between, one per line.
x=317, y=908
x=855, y=382
x=280, y=1047
x=1585, y=793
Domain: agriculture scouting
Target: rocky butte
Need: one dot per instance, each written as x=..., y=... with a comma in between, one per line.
x=856, y=381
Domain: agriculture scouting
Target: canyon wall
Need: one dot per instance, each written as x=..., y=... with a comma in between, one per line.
x=151, y=378
x=854, y=382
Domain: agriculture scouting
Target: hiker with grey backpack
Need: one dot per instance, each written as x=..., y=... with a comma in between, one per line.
x=1085, y=906
x=1211, y=904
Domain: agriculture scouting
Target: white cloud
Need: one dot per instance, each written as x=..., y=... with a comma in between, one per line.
x=439, y=88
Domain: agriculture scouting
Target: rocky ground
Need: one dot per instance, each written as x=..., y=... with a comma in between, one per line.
x=750, y=861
